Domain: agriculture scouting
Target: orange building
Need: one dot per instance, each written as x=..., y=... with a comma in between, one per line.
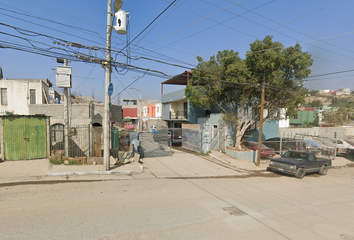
x=150, y=110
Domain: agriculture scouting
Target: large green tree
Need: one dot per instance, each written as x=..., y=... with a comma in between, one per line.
x=234, y=84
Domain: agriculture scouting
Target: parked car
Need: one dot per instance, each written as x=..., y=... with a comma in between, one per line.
x=318, y=147
x=171, y=135
x=175, y=135
x=265, y=151
x=350, y=148
x=342, y=145
x=286, y=144
x=299, y=163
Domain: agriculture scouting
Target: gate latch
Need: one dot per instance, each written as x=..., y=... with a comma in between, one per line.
x=26, y=138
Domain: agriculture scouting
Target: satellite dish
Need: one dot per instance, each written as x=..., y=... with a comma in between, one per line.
x=117, y=5
x=265, y=113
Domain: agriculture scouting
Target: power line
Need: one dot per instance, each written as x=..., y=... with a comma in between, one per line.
x=195, y=22
x=217, y=24
x=150, y=24
x=280, y=26
x=248, y=10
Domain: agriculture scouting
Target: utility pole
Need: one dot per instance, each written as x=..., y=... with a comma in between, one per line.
x=260, y=127
x=66, y=116
x=106, y=123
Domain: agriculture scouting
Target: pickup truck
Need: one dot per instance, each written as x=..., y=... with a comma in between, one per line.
x=299, y=163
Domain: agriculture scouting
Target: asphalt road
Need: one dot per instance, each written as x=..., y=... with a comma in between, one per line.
x=316, y=207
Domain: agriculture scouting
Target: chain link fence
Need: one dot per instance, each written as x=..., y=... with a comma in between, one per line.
x=155, y=144
x=192, y=140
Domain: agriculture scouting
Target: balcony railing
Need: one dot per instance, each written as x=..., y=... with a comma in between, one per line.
x=181, y=115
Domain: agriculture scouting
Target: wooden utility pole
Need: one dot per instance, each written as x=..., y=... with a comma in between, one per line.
x=260, y=127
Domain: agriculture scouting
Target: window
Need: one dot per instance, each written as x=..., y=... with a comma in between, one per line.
x=32, y=96
x=311, y=158
x=215, y=131
x=296, y=117
x=144, y=110
x=157, y=109
x=3, y=96
x=148, y=110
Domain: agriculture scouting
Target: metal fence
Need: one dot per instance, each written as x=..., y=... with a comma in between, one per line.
x=155, y=144
x=84, y=141
x=302, y=142
x=192, y=140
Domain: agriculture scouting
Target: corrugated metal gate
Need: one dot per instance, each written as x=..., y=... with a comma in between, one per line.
x=154, y=144
x=25, y=137
x=192, y=140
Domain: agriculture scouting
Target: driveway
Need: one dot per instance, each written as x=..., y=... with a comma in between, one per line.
x=187, y=165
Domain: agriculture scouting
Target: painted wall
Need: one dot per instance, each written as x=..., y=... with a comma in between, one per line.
x=130, y=112
x=150, y=110
x=165, y=111
x=173, y=96
x=270, y=129
x=302, y=118
x=18, y=94
x=158, y=110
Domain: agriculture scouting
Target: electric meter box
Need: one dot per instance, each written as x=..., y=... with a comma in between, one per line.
x=63, y=76
x=121, y=21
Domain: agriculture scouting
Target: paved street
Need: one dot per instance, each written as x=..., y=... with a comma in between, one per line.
x=141, y=207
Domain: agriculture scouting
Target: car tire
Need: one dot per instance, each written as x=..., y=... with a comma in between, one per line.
x=323, y=170
x=300, y=173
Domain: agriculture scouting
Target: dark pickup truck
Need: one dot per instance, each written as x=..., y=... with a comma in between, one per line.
x=299, y=163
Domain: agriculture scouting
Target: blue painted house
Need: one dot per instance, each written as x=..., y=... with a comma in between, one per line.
x=176, y=110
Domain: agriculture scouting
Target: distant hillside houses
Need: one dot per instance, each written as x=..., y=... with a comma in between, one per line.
x=339, y=92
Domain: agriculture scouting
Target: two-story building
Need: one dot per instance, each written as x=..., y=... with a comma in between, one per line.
x=176, y=109
x=17, y=95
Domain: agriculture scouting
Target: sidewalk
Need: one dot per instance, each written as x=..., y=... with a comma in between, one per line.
x=29, y=170
x=251, y=166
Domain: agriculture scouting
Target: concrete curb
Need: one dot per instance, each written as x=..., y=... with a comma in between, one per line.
x=224, y=162
x=127, y=172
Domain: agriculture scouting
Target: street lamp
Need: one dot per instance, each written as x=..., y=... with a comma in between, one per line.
x=139, y=108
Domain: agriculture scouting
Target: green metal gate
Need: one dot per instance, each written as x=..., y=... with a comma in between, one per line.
x=25, y=137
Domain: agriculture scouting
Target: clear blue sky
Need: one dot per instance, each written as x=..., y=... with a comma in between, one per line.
x=190, y=28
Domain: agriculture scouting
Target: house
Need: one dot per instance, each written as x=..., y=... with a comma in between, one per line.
x=152, y=116
x=343, y=91
x=17, y=95
x=176, y=109
x=304, y=117
x=29, y=99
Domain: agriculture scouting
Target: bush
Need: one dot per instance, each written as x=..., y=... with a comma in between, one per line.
x=56, y=161
x=61, y=161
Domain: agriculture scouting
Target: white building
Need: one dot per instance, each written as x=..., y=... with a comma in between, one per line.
x=16, y=95
x=284, y=121
x=343, y=91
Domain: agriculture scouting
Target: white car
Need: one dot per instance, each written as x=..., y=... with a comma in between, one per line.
x=343, y=146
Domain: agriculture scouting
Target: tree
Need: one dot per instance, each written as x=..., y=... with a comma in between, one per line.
x=337, y=116
x=314, y=103
x=234, y=84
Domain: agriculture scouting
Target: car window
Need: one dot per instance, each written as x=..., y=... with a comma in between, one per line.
x=312, y=158
x=295, y=155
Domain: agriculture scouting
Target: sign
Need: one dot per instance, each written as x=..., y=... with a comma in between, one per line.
x=110, y=89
